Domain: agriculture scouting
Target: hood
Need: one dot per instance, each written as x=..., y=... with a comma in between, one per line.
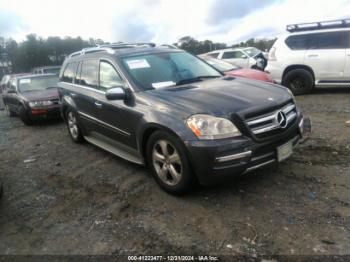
x=40, y=95
x=221, y=97
x=251, y=74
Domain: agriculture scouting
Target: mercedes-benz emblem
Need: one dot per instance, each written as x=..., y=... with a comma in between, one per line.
x=282, y=119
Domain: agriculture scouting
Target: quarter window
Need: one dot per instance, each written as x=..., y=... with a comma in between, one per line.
x=69, y=73
x=330, y=40
x=108, y=76
x=89, y=71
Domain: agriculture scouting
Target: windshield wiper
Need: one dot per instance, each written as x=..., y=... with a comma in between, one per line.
x=194, y=79
x=50, y=87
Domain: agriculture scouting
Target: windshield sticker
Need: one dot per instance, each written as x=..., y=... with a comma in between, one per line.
x=163, y=84
x=139, y=63
x=25, y=81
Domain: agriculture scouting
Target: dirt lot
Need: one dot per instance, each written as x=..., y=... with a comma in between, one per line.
x=78, y=199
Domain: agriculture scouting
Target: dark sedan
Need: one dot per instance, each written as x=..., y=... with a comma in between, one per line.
x=32, y=97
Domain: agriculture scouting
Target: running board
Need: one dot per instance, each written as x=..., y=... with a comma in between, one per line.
x=115, y=151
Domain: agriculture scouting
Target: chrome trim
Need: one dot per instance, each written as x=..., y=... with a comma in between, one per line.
x=287, y=110
x=104, y=123
x=233, y=157
x=260, y=165
x=262, y=156
x=85, y=87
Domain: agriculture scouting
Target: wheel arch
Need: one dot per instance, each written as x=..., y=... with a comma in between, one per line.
x=148, y=131
x=298, y=66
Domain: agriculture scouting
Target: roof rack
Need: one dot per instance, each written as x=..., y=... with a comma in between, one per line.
x=319, y=25
x=110, y=48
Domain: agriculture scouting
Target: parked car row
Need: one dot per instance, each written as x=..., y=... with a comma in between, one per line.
x=184, y=117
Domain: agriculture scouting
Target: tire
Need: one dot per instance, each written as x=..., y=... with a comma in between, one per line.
x=9, y=113
x=299, y=81
x=73, y=129
x=167, y=158
x=24, y=116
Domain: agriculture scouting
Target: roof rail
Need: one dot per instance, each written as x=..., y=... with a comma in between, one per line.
x=318, y=25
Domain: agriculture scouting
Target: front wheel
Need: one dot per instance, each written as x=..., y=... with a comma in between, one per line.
x=24, y=116
x=73, y=128
x=166, y=156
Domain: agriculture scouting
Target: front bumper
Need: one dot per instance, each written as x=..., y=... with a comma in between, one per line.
x=219, y=159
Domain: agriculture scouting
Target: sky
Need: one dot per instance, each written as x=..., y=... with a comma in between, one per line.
x=162, y=21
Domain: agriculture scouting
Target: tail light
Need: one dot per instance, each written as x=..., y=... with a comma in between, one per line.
x=272, y=54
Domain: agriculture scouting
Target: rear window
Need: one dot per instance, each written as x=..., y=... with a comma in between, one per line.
x=88, y=76
x=37, y=83
x=327, y=40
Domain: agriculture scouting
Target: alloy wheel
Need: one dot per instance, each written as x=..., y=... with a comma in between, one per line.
x=167, y=162
x=72, y=125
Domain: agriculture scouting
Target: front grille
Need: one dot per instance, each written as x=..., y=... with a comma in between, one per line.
x=274, y=122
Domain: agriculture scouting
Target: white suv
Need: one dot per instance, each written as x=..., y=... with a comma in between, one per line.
x=309, y=55
x=247, y=57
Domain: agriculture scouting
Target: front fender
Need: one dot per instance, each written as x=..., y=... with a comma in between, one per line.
x=67, y=102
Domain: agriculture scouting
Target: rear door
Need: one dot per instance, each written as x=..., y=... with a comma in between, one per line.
x=326, y=56
x=88, y=96
x=236, y=57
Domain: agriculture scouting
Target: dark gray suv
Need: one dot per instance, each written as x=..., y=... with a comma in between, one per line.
x=168, y=109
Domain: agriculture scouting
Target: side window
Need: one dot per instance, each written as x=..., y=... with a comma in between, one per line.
x=232, y=54
x=108, y=76
x=214, y=55
x=88, y=76
x=69, y=73
x=330, y=40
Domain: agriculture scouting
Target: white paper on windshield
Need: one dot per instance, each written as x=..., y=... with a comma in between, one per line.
x=139, y=63
x=211, y=62
x=163, y=84
x=25, y=81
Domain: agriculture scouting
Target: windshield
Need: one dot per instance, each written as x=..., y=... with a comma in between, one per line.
x=37, y=83
x=55, y=71
x=167, y=69
x=252, y=51
x=220, y=65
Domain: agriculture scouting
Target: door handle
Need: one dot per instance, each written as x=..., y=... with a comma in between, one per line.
x=98, y=104
x=313, y=55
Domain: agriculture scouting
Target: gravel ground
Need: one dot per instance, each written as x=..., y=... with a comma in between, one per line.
x=64, y=198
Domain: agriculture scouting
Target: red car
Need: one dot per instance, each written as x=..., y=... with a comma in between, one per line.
x=233, y=70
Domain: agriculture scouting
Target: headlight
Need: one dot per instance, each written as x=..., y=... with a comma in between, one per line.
x=211, y=127
x=40, y=103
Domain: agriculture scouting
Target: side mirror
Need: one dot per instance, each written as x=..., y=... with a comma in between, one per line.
x=116, y=93
x=11, y=91
x=244, y=56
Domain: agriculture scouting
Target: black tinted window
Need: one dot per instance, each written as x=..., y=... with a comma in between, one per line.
x=299, y=42
x=69, y=73
x=108, y=76
x=89, y=71
x=330, y=40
